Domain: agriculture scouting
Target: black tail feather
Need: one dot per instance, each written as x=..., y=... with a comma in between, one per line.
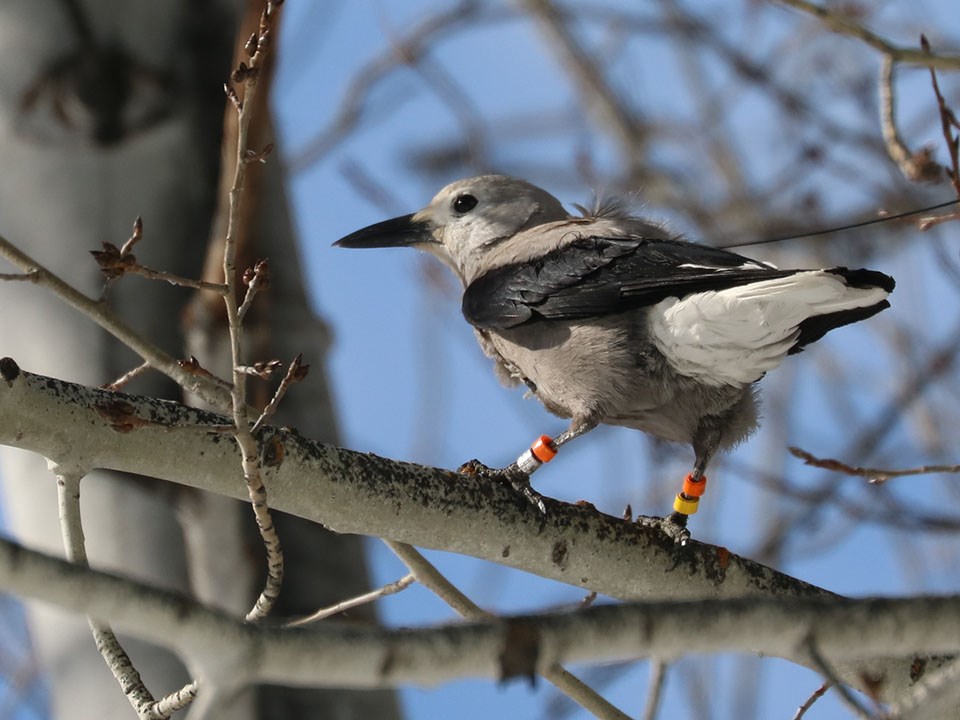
x=814, y=328
x=865, y=279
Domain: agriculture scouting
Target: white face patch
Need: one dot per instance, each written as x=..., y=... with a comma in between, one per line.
x=496, y=207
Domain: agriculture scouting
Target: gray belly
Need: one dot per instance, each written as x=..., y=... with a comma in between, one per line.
x=608, y=369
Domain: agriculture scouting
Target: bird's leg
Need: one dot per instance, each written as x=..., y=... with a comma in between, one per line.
x=542, y=451
x=687, y=500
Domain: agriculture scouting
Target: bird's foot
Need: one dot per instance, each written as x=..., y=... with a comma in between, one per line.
x=511, y=475
x=674, y=526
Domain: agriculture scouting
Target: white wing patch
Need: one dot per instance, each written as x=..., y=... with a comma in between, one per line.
x=734, y=336
x=748, y=265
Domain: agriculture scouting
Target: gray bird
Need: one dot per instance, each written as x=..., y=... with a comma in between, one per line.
x=608, y=318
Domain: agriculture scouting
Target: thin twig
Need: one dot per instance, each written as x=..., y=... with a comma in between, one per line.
x=115, y=262
x=31, y=276
x=169, y=704
x=120, y=664
x=919, y=166
x=844, y=25
x=174, y=279
x=658, y=677
x=928, y=222
x=388, y=589
x=295, y=373
x=823, y=667
x=256, y=278
x=246, y=75
x=127, y=377
x=263, y=370
x=808, y=703
x=874, y=475
x=432, y=579
x=193, y=366
x=948, y=121
x=105, y=318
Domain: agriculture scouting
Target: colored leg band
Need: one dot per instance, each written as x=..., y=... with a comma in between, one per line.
x=688, y=500
x=694, y=488
x=685, y=505
x=542, y=451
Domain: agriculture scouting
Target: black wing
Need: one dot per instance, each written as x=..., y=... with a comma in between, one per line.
x=594, y=276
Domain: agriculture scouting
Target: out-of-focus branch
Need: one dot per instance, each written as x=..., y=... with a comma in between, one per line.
x=825, y=669
x=852, y=633
x=874, y=475
x=596, y=92
x=354, y=105
x=948, y=123
x=120, y=664
x=931, y=698
x=658, y=676
x=939, y=363
x=409, y=503
x=808, y=703
x=381, y=592
x=916, y=167
x=844, y=25
x=566, y=682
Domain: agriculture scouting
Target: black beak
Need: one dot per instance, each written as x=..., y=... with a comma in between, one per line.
x=398, y=232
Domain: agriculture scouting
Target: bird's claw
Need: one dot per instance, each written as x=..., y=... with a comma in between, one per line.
x=674, y=526
x=511, y=475
x=475, y=467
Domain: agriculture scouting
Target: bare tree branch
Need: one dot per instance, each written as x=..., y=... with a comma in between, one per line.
x=825, y=669
x=808, y=703
x=918, y=166
x=573, y=544
x=874, y=475
x=106, y=319
x=845, y=25
x=658, y=677
x=565, y=681
x=246, y=76
x=381, y=592
x=120, y=664
x=855, y=633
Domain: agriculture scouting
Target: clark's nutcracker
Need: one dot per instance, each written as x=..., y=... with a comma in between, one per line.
x=608, y=318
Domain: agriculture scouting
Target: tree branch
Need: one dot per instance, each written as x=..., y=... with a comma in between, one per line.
x=566, y=682
x=874, y=475
x=854, y=633
x=844, y=25
x=571, y=544
x=106, y=319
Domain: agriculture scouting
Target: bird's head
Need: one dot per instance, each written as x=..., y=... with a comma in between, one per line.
x=464, y=221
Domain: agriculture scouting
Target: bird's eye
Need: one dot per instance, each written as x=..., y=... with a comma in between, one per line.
x=464, y=203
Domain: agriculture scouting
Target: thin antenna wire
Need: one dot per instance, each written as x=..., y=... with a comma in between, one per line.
x=815, y=233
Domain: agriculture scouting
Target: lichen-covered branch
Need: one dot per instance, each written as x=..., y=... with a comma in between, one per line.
x=856, y=635
x=420, y=505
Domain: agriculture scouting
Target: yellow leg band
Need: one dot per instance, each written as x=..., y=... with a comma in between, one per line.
x=685, y=506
